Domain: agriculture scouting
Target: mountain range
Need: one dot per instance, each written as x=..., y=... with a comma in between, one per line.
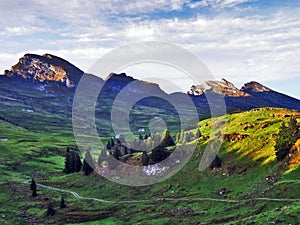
x=249, y=185
x=49, y=72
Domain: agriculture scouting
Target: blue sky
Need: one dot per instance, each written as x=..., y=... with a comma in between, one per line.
x=240, y=40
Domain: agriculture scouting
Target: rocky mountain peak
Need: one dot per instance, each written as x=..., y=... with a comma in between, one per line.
x=120, y=81
x=119, y=77
x=254, y=87
x=222, y=87
x=44, y=69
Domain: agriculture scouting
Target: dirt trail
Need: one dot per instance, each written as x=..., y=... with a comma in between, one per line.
x=76, y=195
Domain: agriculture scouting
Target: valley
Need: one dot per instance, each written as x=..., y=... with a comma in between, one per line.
x=248, y=185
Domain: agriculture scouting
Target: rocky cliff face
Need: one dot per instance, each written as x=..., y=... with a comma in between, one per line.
x=46, y=68
x=222, y=87
x=254, y=87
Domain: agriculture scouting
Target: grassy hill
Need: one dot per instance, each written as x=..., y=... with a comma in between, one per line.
x=251, y=186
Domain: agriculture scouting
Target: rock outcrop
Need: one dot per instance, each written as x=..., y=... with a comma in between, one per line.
x=254, y=87
x=222, y=87
x=44, y=69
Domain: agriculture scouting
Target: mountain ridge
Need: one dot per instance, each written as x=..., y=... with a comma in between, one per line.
x=51, y=72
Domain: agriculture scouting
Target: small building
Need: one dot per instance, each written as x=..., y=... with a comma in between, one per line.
x=3, y=138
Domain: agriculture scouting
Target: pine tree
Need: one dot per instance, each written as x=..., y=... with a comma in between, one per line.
x=146, y=137
x=140, y=136
x=112, y=143
x=159, y=154
x=118, y=141
x=108, y=146
x=88, y=164
x=69, y=162
x=287, y=137
x=145, y=159
x=72, y=162
x=62, y=203
x=33, y=188
x=50, y=210
x=117, y=152
x=33, y=184
x=125, y=150
x=77, y=162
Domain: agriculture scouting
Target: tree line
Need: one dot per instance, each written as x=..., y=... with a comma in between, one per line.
x=154, y=148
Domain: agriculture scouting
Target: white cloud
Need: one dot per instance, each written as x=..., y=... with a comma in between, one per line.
x=218, y=4
x=260, y=47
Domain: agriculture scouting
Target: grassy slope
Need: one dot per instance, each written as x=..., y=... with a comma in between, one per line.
x=247, y=174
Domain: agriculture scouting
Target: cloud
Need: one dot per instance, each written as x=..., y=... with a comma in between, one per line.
x=252, y=45
x=218, y=4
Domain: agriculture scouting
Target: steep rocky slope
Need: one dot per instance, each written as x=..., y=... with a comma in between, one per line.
x=222, y=87
x=44, y=69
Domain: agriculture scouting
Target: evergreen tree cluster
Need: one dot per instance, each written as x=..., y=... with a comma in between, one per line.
x=160, y=152
x=157, y=144
x=72, y=162
x=287, y=137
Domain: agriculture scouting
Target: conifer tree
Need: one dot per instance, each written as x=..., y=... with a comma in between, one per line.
x=146, y=137
x=112, y=143
x=88, y=164
x=62, y=203
x=108, y=146
x=33, y=187
x=159, y=154
x=145, y=159
x=69, y=166
x=117, y=152
x=126, y=150
x=77, y=162
x=140, y=137
x=72, y=162
x=50, y=210
x=33, y=184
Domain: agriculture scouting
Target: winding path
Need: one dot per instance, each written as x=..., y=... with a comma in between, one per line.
x=76, y=195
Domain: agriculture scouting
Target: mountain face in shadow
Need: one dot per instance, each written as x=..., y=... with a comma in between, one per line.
x=48, y=83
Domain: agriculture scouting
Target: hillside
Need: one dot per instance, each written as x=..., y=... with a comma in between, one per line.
x=36, y=114
x=251, y=186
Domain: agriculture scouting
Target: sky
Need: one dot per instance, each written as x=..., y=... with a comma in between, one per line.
x=239, y=40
